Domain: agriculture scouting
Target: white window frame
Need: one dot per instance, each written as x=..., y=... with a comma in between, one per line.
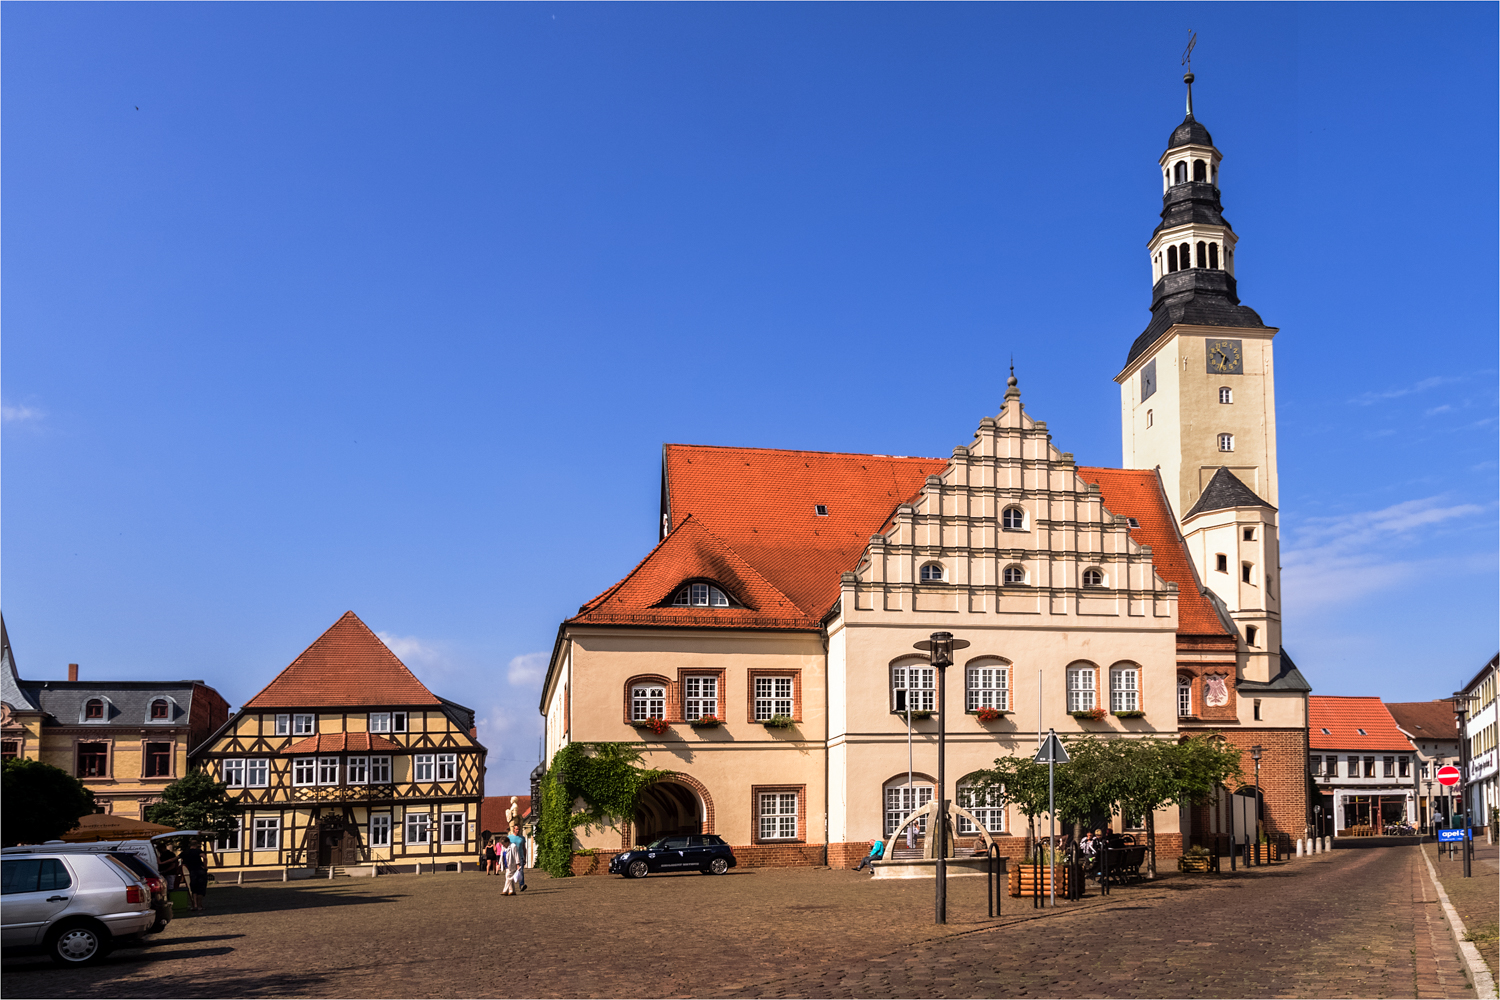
x=422, y=767
x=775, y=694
x=229, y=841
x=328, y=770
x=233, y=771
x=700, y=696
x=1226, y=442
x=380, y=722
x=901, y=801
x=380, y=770
x=648, y=700
x=1226, y=394
x=987, y=686
x=357, y=771
x=451, y=827
x=1125, y=689
x=418, y=828
x=989, y=809
x=1184, y=698
x=1013, y=513
x=283, y=725
x=1083, y=694
x=777, y=815
x=257, y=772
x=267, y=833
x=380, y=830
x=932, y=572
x=447, y=767
x=914, y=687
x=304, y=771
x=1099, y=576
x=399, y=721
x=304, y=724
x=1013, y=575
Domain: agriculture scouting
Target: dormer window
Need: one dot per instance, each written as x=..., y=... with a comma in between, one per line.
x=160, y=710
x=94, y=709
x=1362, y=732
x=820, y=509
x=700, y=595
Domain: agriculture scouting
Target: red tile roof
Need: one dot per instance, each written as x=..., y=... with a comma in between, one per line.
x=492, y=811
x=1343, y=717
x=344, y=743
x=1425, y=720
x=348, y=665
x=691, y=552
x=1137, y=493
x=761, y=501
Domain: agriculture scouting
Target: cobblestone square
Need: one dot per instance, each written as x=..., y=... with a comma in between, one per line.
x=1357, y=923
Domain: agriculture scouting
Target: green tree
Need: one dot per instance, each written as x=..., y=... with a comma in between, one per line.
x=588, y=785
x=195, y=802
x=41, y=802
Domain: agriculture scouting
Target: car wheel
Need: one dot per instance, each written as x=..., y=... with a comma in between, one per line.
x=718, y=866
x=77, y=944
x=638, y=869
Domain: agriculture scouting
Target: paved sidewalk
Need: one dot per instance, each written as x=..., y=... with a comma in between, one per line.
x=1476, y=899
x=1349, y=923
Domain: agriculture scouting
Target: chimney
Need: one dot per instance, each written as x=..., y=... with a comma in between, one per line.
x=72, y=671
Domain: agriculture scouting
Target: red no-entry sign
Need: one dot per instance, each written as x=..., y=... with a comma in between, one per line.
x=1447, y=775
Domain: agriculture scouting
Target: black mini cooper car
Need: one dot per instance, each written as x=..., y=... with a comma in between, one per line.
x=701, y=852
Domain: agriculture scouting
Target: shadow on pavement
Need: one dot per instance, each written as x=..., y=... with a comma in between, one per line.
x=248, y=899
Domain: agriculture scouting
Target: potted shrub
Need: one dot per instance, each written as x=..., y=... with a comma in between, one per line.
x=1195, y=860
x=1092, y=714
x=656, y=725
x=985, y=713
x=1134, y=713
x=705, y=722
x=777, y=722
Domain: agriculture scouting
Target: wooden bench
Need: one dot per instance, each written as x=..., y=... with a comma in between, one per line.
x=1123, y=865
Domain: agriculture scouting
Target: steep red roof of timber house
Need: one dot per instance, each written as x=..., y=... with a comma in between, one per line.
x=763, y=504
x=347, y=665
x=1137, y=493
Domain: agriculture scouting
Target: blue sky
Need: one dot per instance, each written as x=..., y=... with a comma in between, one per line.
x=391, y=307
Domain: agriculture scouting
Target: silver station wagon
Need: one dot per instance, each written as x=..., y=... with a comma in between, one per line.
x=77, y=906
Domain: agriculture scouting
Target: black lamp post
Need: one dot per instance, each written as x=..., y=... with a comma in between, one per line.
x=1255, y=753
x=1428, y=824
x=939, y=648
x=1461, y=709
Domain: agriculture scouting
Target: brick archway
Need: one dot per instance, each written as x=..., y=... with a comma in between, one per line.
x=698, y=790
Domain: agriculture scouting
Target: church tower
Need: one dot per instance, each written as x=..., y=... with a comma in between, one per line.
x=1197, y=398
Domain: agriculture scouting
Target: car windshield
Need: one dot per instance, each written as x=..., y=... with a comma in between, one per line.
x=667, y=844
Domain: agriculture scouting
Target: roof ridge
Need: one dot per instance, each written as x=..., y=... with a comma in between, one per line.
x=347, y=621
x=604, y=594
x=803, y=451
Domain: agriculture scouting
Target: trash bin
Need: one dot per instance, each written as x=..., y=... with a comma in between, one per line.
x=180, y=901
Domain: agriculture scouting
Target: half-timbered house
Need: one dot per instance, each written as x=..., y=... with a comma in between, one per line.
x=347, y=759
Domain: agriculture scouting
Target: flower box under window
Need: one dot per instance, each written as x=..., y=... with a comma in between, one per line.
x=1093, y=714
x=704, y=722
x=1133, y=713
x=777, y=722
x=656, y=725
x=989, y=714
x=916, y=713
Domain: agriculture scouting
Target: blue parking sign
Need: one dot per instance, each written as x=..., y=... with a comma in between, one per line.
x=1451, y=836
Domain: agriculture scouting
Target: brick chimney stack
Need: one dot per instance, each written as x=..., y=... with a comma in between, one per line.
x=72, y=671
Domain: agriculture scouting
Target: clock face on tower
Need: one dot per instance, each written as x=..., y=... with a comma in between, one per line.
x=1224, y=357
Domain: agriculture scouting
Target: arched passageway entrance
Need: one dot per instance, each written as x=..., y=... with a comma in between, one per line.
x=666, y=809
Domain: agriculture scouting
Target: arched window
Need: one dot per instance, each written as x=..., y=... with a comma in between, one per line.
x=1150, y=418
x=700, y=595
x=1185, y=254
x=902, y=799
x=94, y=709
x=1226, y=394
x=648, y=700
x=1214, y=173
x=160, y=709
x=1081, y=695
x=1093, y=577
x=1015, y=576
x=1171, y=259
x=1202, y=254
x=1213, y=256
x=987, y=807
x=1125, y=689
x=1179, y=172
x=987, y=685
x=912, y=687
x=1184, y=697
x=1013, y=519
x=1200, y=170
x=932, y=573
x=1226, y=442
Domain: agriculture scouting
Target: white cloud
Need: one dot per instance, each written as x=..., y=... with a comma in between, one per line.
x=416, y=653
x=18, y=414
x=1336, y=560
x=527, y=670
x=1445, y=408
x=1370, y=398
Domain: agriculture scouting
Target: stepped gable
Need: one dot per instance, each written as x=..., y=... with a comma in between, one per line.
x=346, y=666
x=1425, y=720
x=1137, y=493
x=692, y=552
x=762, y=503
x=344, y=743
x=1225, y=491
x=1344, y=716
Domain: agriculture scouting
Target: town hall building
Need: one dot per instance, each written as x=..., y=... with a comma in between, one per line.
x=763, y=650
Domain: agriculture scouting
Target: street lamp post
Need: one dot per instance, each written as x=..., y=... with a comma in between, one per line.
x=939, y=648
x=1461, y=709
x=1255, y=753
x=1428, y=824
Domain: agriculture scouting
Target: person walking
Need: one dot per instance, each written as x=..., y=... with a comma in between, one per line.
x=877, y=851
x=489, y=857
x=518, y=844
x=196, y=867
x=509, y=861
